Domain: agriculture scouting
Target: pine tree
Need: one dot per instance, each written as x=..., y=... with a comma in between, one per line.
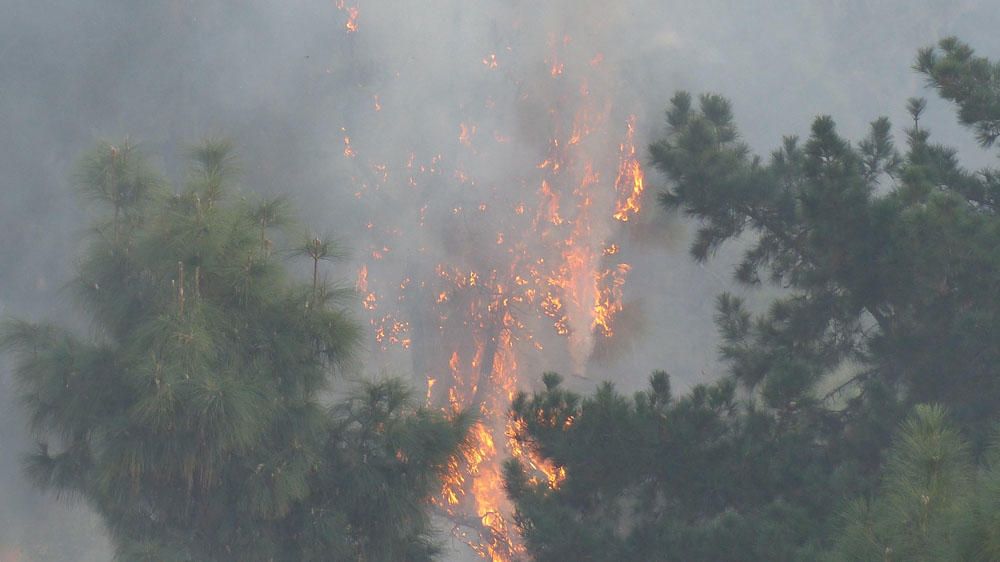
x=886, y=265
x=192, y=417
x=924, y=488
x=889, y=260
x=653, y=477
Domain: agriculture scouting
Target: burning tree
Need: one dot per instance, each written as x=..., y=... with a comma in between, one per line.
x=480, y=272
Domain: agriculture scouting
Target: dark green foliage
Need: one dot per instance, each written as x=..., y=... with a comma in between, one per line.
x=891, y=260
x=970, y=81
x=116, y=176
x=887, y=266
x=656, y=478
x=933, y=502
x=192, y=419
x=383, y=450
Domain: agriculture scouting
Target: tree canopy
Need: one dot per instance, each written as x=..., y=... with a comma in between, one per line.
x=887, y=267
x=854, y=419
x=654, y=477
x=196, y=415
x=889, y=260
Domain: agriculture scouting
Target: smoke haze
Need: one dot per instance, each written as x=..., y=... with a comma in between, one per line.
x=465, y=89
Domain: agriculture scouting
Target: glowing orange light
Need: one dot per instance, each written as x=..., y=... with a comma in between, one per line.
x=554, y=276
x=351, y=25
x=465, y=133
x=370, y=302
x=550, y=205
x=630, y=182
x=362, y=283
x=430, y=387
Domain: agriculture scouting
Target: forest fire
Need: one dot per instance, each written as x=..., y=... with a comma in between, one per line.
x=351, y=25
x=630, y=181
x=413, y=297
x=543, y=271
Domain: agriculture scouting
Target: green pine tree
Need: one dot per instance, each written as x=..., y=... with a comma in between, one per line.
x=889, y=260
x=658, y=478
x=886, y=264
x=191, y=417
x=933, y=503
x=925, y=487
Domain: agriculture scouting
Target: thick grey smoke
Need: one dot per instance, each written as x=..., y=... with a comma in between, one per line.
x=288, y=82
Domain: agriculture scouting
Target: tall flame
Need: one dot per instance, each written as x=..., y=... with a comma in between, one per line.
x=630, y=181
x=540, y=274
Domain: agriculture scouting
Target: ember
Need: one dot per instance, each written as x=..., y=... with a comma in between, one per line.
x=539, y=271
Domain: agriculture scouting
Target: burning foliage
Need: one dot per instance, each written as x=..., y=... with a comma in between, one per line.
x=533, y=260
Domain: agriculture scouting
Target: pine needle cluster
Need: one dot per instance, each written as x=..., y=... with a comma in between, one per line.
x=193, y=419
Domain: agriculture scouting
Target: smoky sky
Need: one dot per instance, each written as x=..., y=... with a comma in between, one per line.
x=287, y=82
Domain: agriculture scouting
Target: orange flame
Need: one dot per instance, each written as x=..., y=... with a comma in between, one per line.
x=362, y=283
x=608, y=300
x=550, y=206
x=554, y=274
x=351, y=25
x=466, y=132
x=370, y=302
x=348, y=151
x=629, y=184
